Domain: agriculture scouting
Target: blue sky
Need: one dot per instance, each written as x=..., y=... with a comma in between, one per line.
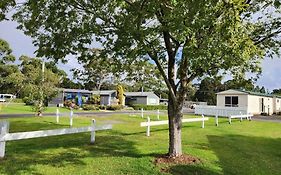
x=22, y=45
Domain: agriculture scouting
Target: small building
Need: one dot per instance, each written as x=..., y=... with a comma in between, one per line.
x=146, y=98
x=107, y=97
x=69, y=94
x=255, y=103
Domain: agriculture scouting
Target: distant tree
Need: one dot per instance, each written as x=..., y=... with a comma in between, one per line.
x=37, y=87
x=8, y=70
x=143, y=75
x=208, y=89
x=243, y=84
x=262, y=90
x=276, y=91
x=97, y=69
x=70, y=84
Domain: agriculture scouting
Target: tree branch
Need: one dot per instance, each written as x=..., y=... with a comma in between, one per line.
x=259, y=41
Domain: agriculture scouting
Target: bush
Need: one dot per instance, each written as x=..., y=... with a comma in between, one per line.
x=28, y=101
x=102, y=107
x=89, y=107
x=67, y=103
x=114, y=107
x=149, y=107
x=70, y=104
x=17, y=100
x=94, y=99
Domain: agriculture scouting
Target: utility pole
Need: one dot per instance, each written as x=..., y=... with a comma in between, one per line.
x=41, y=103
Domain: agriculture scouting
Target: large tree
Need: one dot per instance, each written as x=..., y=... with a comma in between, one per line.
x=7, y=68
x=97, y=69
x=214, y=36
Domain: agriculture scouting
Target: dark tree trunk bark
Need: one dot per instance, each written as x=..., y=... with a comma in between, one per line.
x=175, y=124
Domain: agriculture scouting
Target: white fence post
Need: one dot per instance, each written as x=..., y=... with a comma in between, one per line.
x=203, y=122
x=93, y=132
x=241, y=117
x=148, y=127
x=58, y=115
x=217, y=120
x=229, y=119
x=158, y=114
x=141, y=112
x=4, y=129
x=71, y=118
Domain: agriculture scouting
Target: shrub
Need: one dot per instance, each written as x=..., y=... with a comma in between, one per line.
x=89, y=107
x=17, y=100
x=149, y=107
x=67, y=103
x=94, y=99
x=28, y=101
x=114, y=107
x=70, y=104
x=102, y=107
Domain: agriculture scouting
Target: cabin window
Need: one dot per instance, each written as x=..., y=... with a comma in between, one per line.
x=231, y=101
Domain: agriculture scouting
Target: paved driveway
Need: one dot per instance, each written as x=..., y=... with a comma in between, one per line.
x=273, y=118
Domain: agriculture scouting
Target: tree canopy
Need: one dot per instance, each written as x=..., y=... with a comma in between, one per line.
x=214, y=36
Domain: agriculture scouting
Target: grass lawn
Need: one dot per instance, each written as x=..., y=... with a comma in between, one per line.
x=19, y=108
x=24, y=109
x=240, y=148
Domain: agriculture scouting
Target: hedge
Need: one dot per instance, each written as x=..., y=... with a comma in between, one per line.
x=114, y=107
x=149, y=107
x=87, y=107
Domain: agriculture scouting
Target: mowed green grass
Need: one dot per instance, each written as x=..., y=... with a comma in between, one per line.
x=24, y=109
x=240, y=148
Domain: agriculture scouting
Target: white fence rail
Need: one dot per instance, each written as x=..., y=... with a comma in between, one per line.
x=148, y=124
x=6, y=136
x=220, y=111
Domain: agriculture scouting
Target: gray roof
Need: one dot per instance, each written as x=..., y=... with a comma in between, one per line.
x=255, y=93
x=141, y=94
x=104, y=92
x=77, y=90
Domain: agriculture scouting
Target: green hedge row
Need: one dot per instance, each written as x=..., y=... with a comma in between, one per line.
x=149, y=107
x=88, y=107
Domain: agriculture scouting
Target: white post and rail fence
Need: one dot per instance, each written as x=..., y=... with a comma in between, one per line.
x=6, y=136
x=226, y=112
x=149, y=123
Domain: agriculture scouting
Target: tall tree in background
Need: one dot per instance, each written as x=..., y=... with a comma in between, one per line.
x=28, y=81
x=208, y=89
x=214, y=36
x=144, y=76
x=243, y=84
x=97, y=69
x=8, y=69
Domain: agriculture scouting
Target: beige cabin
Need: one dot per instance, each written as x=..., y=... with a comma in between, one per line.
x=255, y=103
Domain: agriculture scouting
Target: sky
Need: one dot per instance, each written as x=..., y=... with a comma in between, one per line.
x=22, y=45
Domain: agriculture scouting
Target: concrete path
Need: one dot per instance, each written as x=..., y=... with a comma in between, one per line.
x=272, y=118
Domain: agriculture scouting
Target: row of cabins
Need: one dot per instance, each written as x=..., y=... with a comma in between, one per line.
x=108, y=97
x=253, y=102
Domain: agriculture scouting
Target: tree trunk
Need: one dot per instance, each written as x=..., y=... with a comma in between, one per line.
x=175, y=124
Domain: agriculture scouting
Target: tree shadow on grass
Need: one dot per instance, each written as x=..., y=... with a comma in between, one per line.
x=247, y=155
x=60, y=151
x=191, y=170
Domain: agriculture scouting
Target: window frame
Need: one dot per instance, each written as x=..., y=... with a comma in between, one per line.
x=229, y=101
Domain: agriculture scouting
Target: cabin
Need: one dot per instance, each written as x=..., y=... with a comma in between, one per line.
x=254, y=102
x=145, y=98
